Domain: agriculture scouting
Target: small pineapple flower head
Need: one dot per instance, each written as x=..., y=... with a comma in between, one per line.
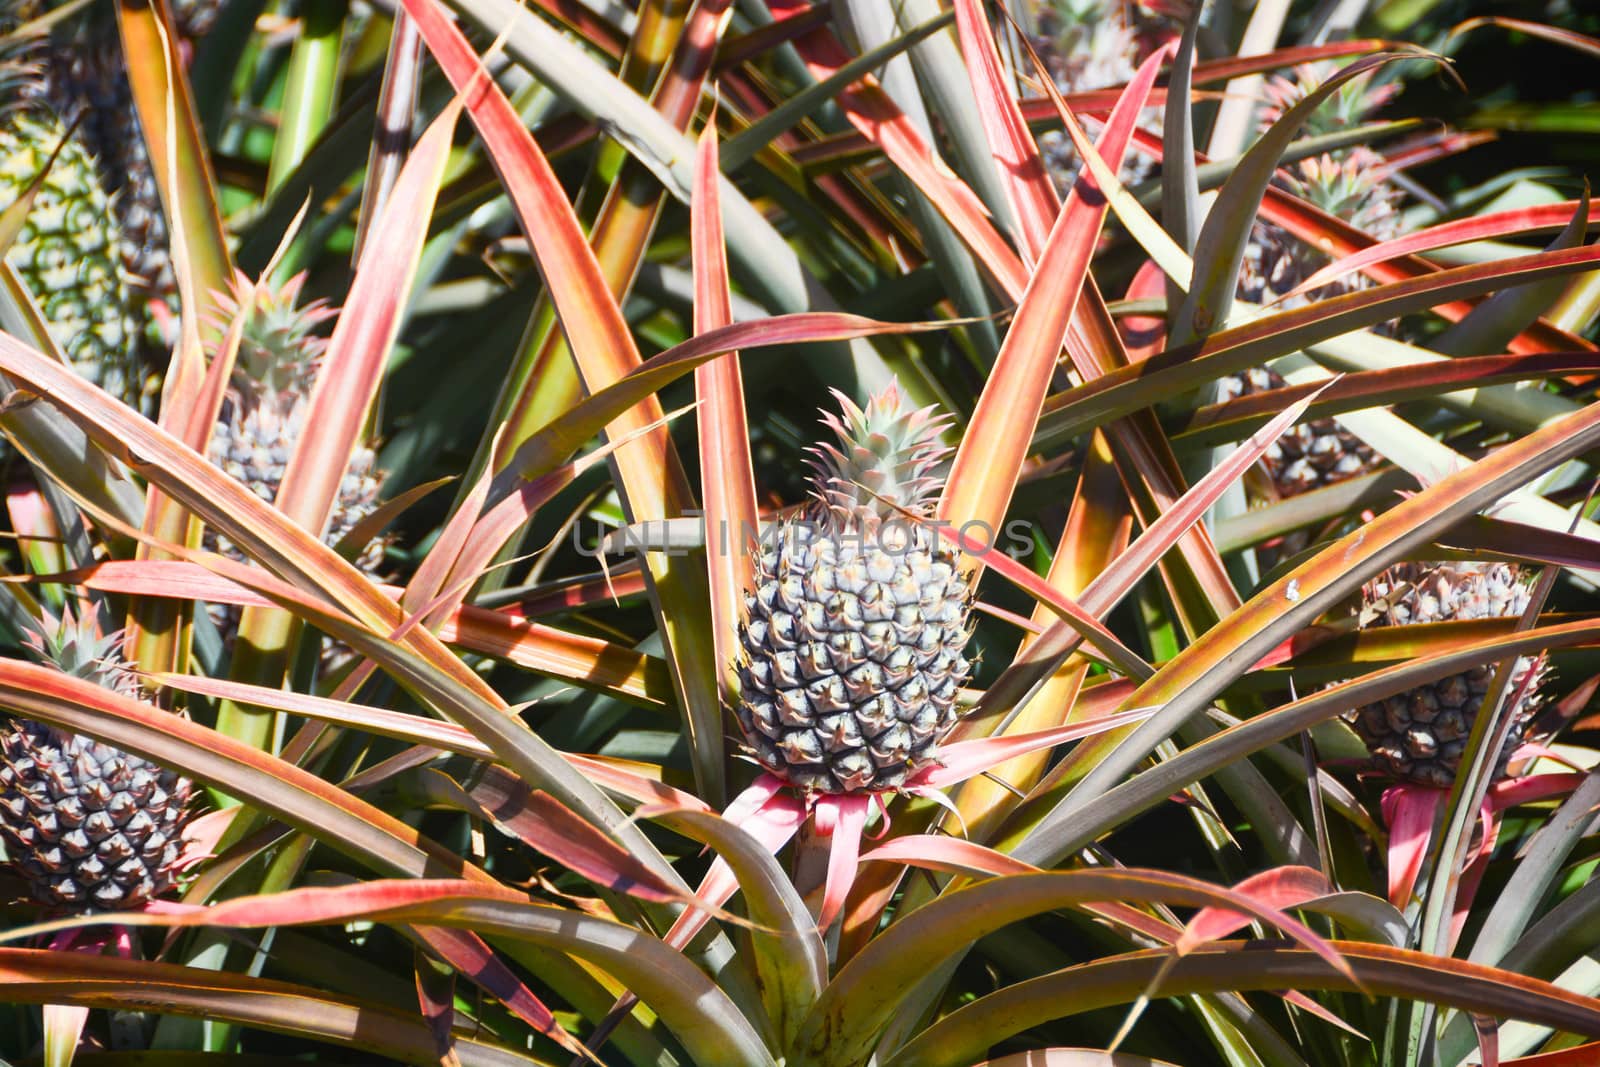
x=885, y=463
x=1349, y=105
x=278, y=347
x=853, y=631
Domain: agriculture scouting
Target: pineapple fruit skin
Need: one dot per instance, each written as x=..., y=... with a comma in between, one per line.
x=82, y=76
x=1309, y=455
x=853, y=657
x=1419, y=736
x=68, y=252
x=853, y=633
x=90, y=827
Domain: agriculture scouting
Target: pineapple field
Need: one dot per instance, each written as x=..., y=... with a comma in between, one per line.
x=799, y=533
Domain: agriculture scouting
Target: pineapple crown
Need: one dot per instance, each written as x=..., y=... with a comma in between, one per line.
x=1351, y=186
x=1347, y=106
x=75, y=644
x=20, y=71
x=885, y=462
x=277, y=348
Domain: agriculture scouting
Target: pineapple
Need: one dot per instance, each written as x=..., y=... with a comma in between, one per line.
x=1093, y=44
x=266, y=406
x=1348, y=184
x=1309, y=455
x=88, y=826
x=852, y=637
x=84, y=78
x=67, y=252
x=1418, y=736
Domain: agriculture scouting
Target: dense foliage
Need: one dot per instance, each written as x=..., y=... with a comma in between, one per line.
x=739, y=532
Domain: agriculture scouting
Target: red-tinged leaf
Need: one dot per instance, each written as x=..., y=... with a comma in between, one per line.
x=727, y=478
x=1363, y=389
x=649, y=473
x=845, y=1021
x=375, y=901
x=614, y=776
x=790, y=958
x=436, y=998
x=422, y=593
x=841, y=820
x=1339, y=238
x=364, y=335
x=1575, y=701
x=952, y=855
x=399, y=725
x=1098, y=527
x=561, y=595
x=1532, y=789
x=590, y=316
x=177, y=149
x=469, y=544
x=275, y=786
x=1145, y=335
x=1093, y=631
x=877, y=117
x=964, y=1035
x=547, y=826
x=1220, y=247
x=1409, y=812
x=1570, y=38
x=564, y=436
x=1488, y=1031
x=989, y=461
x=956, y=855
x=1311, y=1007
x=31, y=976
x=1282, y=887
x=473, y=958
x=1027, y=185
x=1113, y=583
x=577, y=658
x=777, y=817
x=1519, y=539
x=1074, y=1057
x=1538, y=219
x=1577, y=1056
x=1129, y=389
x=961, y=760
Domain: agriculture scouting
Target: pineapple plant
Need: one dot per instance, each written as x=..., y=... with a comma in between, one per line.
x=1349, y=184
x=269, y=397
x=67, y=252
x=88, y=826
x=1419, y=736
x=853, y=633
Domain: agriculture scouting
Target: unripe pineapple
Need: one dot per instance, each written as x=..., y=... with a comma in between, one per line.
x=84, y=79
x=853, y=634
x=1419, y=735
x=270, y=395
x=67, y=252
x=88, y=826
